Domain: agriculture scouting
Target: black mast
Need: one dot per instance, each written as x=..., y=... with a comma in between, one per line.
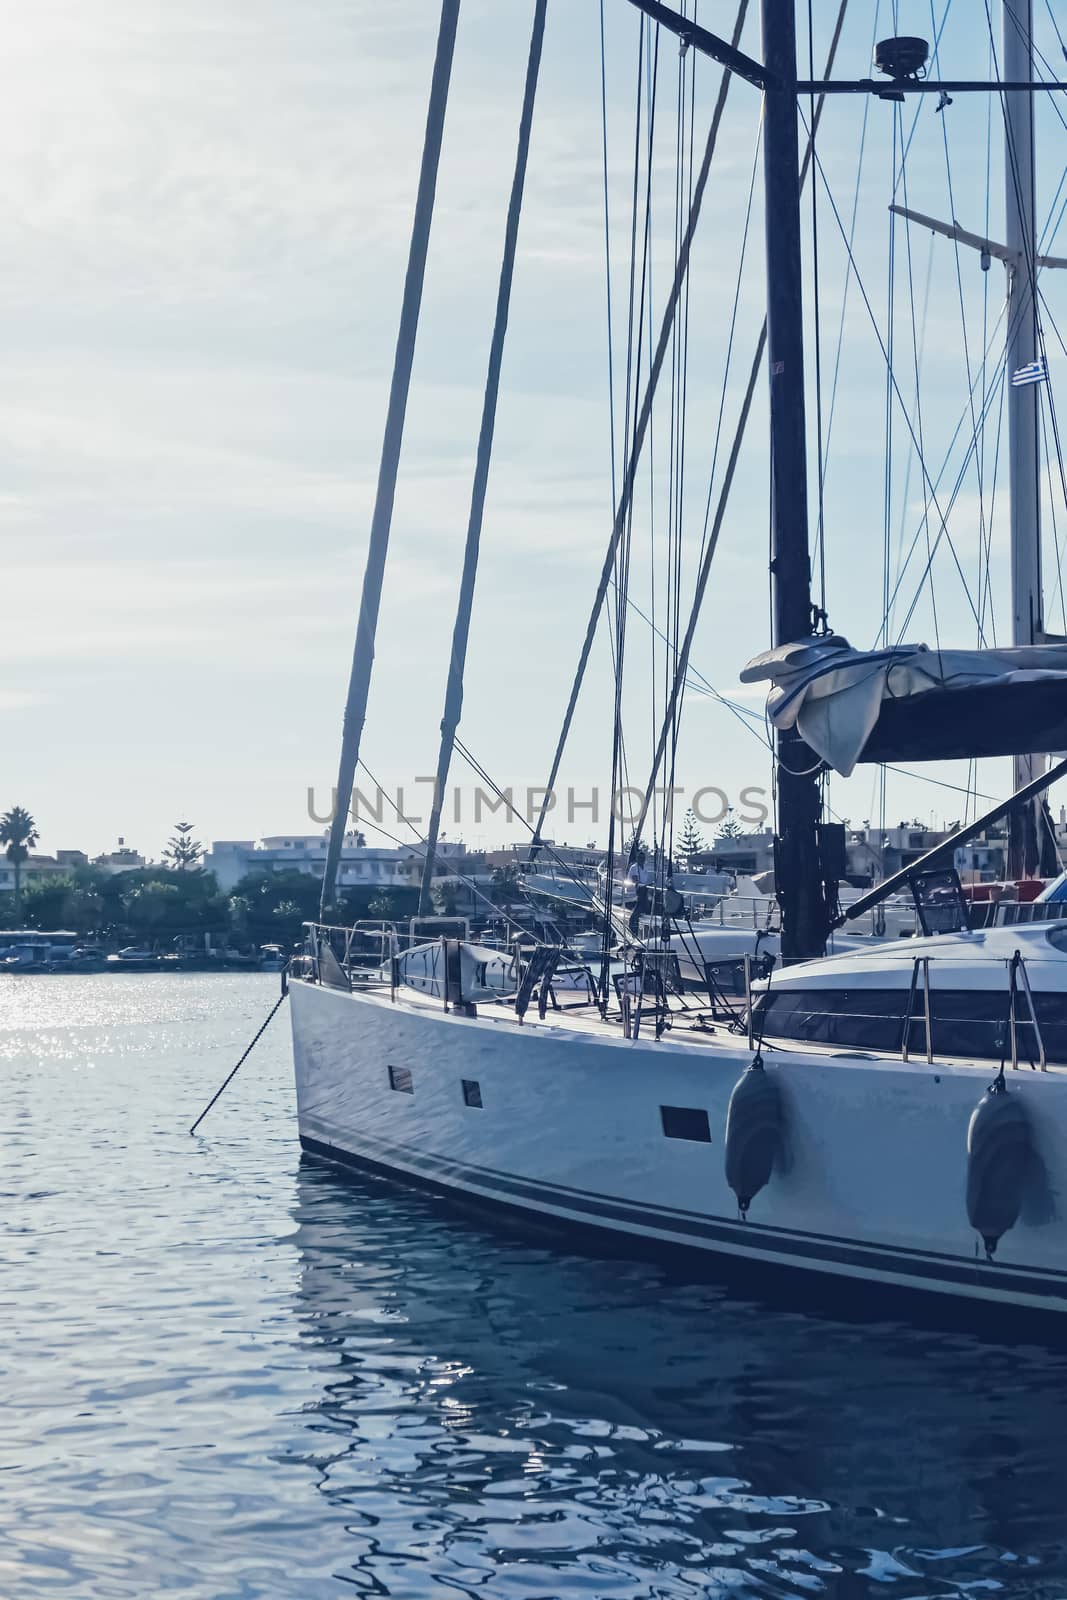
x=798, y=879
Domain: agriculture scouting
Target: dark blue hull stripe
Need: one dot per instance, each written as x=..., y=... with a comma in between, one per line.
x=808, y=1250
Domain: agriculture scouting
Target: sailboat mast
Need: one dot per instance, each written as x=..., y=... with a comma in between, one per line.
x=797, y=874
x=1024, y=458
x=382, y=519
x=1022, y=327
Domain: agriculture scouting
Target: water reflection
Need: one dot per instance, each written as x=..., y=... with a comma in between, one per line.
x=502, y=1419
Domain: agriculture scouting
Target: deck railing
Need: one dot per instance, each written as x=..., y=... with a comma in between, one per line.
x=369, y=955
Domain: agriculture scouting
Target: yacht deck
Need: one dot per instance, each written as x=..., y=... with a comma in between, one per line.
x=691, y=1026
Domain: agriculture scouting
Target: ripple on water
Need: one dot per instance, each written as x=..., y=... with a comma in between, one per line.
x=228, y=1373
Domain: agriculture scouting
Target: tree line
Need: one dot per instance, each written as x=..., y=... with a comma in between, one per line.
x=175, y=899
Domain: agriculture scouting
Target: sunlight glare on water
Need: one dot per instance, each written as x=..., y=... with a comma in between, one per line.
x=228, y=1372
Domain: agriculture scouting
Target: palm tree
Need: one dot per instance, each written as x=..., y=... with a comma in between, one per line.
x=18, y=832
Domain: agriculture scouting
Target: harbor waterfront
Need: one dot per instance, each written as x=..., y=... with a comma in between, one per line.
x=544, y=527
x=230, y=1372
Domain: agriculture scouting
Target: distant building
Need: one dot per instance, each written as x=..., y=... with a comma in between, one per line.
x=748, y=854
x=40, y=866
x=872, y=853
x=362, y=866
x=517, y=855
x=121, y=859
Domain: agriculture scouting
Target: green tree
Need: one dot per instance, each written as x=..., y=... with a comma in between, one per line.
x=443, y=895
x=382, y=906
x=691, y=842
x=43, y=899
x=183, y=852
x=153, y=908
x=193, y=903
x=730, y=828
x=18, y=832
x=289, y=921
x=83, y=910
x=264, y=892
x=238, y=911
x=60, y=901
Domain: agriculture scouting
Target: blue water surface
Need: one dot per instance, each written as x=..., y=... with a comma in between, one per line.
x=228, y=1372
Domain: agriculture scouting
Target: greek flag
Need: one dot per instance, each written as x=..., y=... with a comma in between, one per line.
x=1033, y=372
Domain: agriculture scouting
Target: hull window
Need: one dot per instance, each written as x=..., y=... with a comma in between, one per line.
x=685, y=1122
x=400, y=1079
x=472, y=1093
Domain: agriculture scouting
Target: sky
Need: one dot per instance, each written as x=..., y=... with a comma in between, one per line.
x=204, y=220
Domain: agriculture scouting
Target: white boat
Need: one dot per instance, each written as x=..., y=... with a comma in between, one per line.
x=572, y=1123
x=574, y=886
x=637, y=1113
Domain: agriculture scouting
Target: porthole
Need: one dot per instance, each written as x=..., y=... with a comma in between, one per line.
x=685, y=1122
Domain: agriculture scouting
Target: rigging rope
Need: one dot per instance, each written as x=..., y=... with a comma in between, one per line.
x=419, y=853
x=956, y=490
x=1055, y=433
x=640, y=430
x=820, y=463
x=851, y=240
x=1055, y=530
x=454, y=689
x=943, y=530
x=607, y=243
x=674, y=705
x=980, y=452
x=917, y=433
x=621, y=577
x=887, y=509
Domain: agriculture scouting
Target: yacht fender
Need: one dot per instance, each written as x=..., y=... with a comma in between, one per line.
x=753, y=1134
x=999, y=1159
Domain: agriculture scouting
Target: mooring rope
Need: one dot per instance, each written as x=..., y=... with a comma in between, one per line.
x=258, y=1035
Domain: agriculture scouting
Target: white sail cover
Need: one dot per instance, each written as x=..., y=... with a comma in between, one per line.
x=834, y=695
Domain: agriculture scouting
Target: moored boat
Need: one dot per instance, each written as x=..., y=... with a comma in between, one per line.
x=570, y=1123
x=634, y=1108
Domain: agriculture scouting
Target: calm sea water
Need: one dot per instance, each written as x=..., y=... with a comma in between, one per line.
x=227, y=1373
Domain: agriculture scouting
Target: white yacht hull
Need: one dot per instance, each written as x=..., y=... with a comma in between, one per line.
x=570, y=1131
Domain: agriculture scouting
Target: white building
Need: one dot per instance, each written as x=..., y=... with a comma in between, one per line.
x=362, y=866
x=39, y=866
x=122, y=859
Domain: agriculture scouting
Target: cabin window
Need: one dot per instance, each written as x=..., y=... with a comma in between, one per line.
x=685, y=1122
x=400, y=1079
x=472, y=1093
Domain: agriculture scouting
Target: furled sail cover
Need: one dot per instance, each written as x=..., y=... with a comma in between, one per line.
x=911, y=703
